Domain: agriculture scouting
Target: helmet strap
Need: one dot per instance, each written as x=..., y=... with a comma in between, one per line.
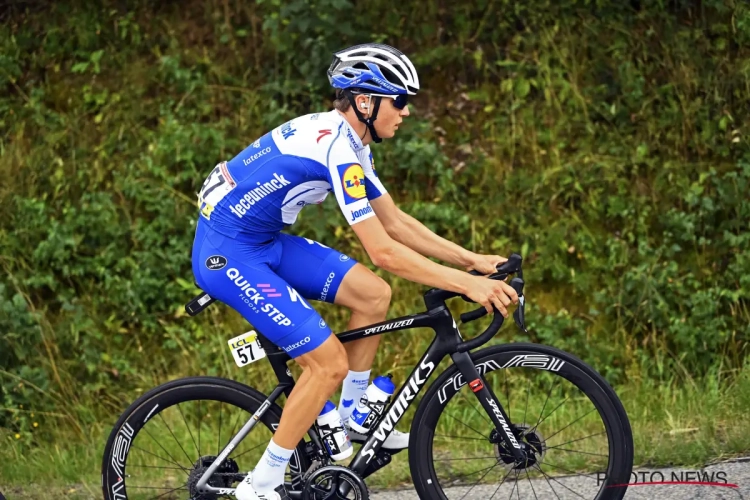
x=367, y=121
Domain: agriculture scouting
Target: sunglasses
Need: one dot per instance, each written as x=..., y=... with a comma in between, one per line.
x=399, y=101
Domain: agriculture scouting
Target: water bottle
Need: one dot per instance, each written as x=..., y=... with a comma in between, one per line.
x=333, y=433
x=372, y=404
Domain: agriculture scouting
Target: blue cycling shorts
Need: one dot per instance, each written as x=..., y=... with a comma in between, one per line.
x=268, y=283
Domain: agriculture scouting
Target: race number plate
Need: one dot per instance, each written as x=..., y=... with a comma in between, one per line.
x=246, y=349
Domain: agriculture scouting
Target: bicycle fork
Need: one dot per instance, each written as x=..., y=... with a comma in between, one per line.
x=490, y=403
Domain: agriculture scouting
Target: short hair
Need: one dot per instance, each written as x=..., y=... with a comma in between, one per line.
x=341, y=102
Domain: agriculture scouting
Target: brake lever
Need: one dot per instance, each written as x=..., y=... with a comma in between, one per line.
x=518, y=314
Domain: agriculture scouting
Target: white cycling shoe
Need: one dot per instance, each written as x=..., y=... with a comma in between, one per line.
x=245, y=491
x=396, y=441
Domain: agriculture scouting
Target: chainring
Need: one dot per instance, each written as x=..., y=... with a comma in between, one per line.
x=324, y=481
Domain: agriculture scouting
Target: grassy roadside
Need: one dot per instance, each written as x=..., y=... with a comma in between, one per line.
x=683, y=422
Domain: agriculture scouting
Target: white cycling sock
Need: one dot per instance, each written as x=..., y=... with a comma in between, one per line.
x=269, y=473
x=355, y=384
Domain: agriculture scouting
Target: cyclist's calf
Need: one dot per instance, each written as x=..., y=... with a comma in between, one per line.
x=323, y=370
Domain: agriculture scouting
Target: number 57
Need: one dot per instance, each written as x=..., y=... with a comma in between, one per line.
x=242, y=355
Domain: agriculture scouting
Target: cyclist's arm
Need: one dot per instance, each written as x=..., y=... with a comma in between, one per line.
x=409, y=231
x=387, y=253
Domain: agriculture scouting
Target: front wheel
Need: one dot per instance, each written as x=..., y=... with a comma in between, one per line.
x=163, y=442
x=569, y=420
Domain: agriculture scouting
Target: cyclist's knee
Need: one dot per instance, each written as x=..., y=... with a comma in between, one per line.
x=384, y=295
x=376, y=297
x=328, y=363
x=335, y=370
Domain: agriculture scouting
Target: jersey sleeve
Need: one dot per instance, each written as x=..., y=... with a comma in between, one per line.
x=373, y=186
x=347, y=178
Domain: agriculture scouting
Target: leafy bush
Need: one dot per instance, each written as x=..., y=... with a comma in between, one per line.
x=606, y=141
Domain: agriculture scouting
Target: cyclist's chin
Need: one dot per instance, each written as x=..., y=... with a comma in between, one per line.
x=387, y=133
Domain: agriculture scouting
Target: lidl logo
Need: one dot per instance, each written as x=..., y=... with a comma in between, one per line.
x=353, y=181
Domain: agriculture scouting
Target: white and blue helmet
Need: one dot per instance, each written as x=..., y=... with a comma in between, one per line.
x=373, y=67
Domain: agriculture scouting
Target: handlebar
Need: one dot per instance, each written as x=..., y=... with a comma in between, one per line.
x=497, y=320
x=512, y=266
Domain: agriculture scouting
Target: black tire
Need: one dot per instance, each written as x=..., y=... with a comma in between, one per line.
x=154, y=402
x=504, y=357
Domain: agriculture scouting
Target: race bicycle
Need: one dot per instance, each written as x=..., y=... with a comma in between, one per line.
x=559, y=430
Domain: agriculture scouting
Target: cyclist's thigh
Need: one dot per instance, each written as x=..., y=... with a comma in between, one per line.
x=263, y=298
x=312, y=268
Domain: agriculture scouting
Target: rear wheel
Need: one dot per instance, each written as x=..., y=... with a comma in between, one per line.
x=569, y=420
x=164, y=441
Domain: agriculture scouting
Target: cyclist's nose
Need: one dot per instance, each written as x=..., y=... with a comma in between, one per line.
x=405, y=111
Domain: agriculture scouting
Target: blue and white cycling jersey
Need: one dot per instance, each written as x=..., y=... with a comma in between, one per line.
x=240, y=255
x=262, y=189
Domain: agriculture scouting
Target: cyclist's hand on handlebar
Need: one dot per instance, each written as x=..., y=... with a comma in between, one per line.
x=485, y=264
x=492, y=292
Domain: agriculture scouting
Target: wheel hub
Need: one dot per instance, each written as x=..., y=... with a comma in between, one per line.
x=531, y=441
x=223, y=477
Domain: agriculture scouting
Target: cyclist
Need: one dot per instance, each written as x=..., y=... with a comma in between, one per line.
x=241, y=257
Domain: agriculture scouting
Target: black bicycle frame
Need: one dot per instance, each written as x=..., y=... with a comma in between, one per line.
x=447, y=341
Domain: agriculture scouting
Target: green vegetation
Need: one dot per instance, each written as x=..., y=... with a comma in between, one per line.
x=605, y=141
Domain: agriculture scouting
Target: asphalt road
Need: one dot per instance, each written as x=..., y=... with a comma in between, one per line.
x=730, y=473
x=735, y=472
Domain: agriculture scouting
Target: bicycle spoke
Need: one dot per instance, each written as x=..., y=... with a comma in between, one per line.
x=468, y=426
x=573, y=422
x=460, y=437
x=530, y=483
x=479, y=481
x=561, y=484
x=155, y=488
x=248, y=451
x=579, y=439
x=545, y=403
x=236, y=419
x=501, y=483
x=577, y=451
x=172, y=461
x=153, y=467
x=464, y=459
x=526, y=408
x=553, y=411
x=218, y=441
x=188, y=428
x=546, y=478
x=175, y=438
x=200, y=421
x=168, y=492
x=568, y=470
x=474, y=407
x=507, y=391
x=472, y=473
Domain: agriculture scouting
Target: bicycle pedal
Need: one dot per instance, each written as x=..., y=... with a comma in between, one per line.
x=382, y=458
